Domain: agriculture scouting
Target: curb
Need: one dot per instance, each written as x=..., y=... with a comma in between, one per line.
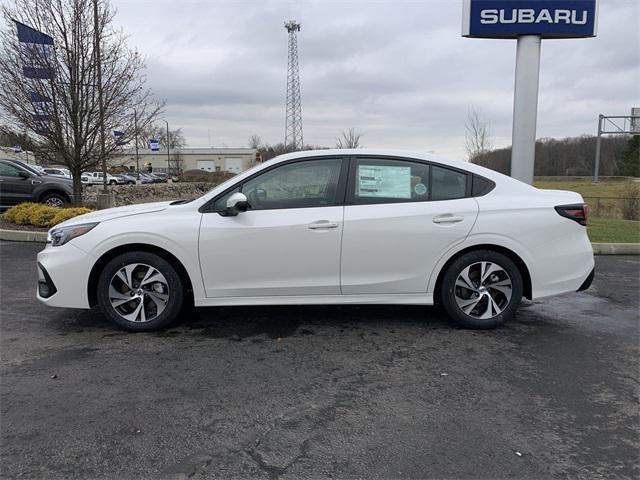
x=616, y=248
x=598, y=248
x=23, y=236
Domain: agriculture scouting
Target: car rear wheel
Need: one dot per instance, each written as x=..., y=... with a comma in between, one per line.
x=140, y=291
x=54, y=199
x=481, y=289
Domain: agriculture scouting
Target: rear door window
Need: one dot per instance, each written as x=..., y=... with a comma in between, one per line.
x=381, y=180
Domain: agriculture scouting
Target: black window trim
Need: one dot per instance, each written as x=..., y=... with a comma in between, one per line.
x=347, y=177
x=209, y=206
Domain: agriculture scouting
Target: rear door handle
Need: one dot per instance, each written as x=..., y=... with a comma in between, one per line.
x=448, y=218
x=322, y=224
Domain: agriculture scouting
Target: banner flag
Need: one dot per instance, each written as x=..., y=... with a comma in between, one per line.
x=40, y=106
x=37, y=52
x=154, y=145
x=118, y=136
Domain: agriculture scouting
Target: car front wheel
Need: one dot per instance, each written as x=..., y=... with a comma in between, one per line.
x=140, y=291
x=481, y=289
x=54, y=199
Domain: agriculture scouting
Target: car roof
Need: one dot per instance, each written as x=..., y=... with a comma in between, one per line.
x=408, y=154
x=503, y=182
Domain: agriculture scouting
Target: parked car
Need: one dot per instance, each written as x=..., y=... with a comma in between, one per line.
x=58, y=171
x=96, y=178
x=146, y=178
x=156, y=178
x=327, y=227
x=125, y=178
x=19, y=182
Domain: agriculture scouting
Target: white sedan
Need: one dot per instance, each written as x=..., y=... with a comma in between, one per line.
x=327, y=227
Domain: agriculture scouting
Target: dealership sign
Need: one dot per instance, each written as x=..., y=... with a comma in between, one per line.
x=546, y=18
x=528, y=21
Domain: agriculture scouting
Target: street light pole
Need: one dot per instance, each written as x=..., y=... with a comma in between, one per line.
x=135, y=126
x=168, y=143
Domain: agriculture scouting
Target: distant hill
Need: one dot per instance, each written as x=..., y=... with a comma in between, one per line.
x=567, y=156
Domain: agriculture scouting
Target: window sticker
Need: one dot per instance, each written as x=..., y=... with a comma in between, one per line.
x=420, y=189
x=384, y=181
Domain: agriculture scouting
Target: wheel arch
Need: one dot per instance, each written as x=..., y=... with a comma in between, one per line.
x=94, y=275
x=513, y=256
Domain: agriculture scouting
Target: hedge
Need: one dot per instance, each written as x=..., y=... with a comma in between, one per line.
x=40, y=215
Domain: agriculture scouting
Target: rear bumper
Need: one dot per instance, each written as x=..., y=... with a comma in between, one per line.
x=588, y=281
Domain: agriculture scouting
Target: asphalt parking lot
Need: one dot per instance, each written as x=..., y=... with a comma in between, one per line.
x=322, y=392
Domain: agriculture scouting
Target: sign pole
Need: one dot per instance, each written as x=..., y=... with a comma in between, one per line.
x=525, y=107
x=596, y=172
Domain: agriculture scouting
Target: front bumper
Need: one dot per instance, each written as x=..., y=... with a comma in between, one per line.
x=63, y=276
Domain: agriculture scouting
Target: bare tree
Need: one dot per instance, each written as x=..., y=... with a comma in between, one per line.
x=478, y=136
x=71, y=133
x=349, y=139
x=255, y=141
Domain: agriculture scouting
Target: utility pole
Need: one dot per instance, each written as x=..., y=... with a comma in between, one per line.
x=96, y=28
x=293, y=121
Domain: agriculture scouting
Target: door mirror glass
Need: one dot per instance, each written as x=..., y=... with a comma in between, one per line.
x=236, y=203
x=24, y=175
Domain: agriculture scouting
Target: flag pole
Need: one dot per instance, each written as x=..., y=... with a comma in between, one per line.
x=100, y=99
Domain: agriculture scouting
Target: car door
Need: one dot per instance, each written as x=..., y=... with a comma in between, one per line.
x=287, y=242
x=400, y=217
x=16, y=184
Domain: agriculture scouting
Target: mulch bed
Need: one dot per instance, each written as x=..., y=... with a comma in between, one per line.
x=4, y=225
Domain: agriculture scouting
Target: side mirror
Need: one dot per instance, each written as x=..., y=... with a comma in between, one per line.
x=22, y=174
x=236, y=203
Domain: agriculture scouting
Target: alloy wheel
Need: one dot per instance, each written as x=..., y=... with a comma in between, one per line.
x=483, y=290
x=54, y=202
x=138, y=292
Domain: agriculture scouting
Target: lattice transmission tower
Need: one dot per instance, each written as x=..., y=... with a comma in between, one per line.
x=293, y=122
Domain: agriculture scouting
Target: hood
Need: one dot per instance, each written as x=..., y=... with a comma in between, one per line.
x=112, y=213
x=59, y=179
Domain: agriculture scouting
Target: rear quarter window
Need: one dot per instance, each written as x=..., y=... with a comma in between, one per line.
x=447, y=184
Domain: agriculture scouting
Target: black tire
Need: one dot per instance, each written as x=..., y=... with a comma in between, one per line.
x=175, y=292
x=113, y=182
x=449, y=291
x=55, y=199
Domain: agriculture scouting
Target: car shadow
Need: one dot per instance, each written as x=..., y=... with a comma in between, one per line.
x=238, y=323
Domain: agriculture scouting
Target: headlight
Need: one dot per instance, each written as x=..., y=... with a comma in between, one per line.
x=60, y=236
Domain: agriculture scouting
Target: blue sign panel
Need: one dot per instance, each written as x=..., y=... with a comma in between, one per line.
x=512, y=18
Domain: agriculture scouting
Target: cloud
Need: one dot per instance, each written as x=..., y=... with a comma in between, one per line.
x=397, y=70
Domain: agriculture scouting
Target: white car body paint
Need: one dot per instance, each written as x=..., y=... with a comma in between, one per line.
x=384, y=253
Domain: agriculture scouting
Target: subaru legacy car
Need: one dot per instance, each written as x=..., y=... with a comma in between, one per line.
x=327, y=227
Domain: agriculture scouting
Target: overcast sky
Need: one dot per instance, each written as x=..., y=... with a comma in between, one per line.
x=397, y=70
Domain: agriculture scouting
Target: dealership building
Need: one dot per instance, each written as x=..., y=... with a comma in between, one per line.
x=233, y=160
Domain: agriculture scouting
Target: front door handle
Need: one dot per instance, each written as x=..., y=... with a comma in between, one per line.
x=322, y=224
x=448, y=218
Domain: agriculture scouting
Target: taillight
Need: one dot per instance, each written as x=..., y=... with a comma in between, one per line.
x=578, y=213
